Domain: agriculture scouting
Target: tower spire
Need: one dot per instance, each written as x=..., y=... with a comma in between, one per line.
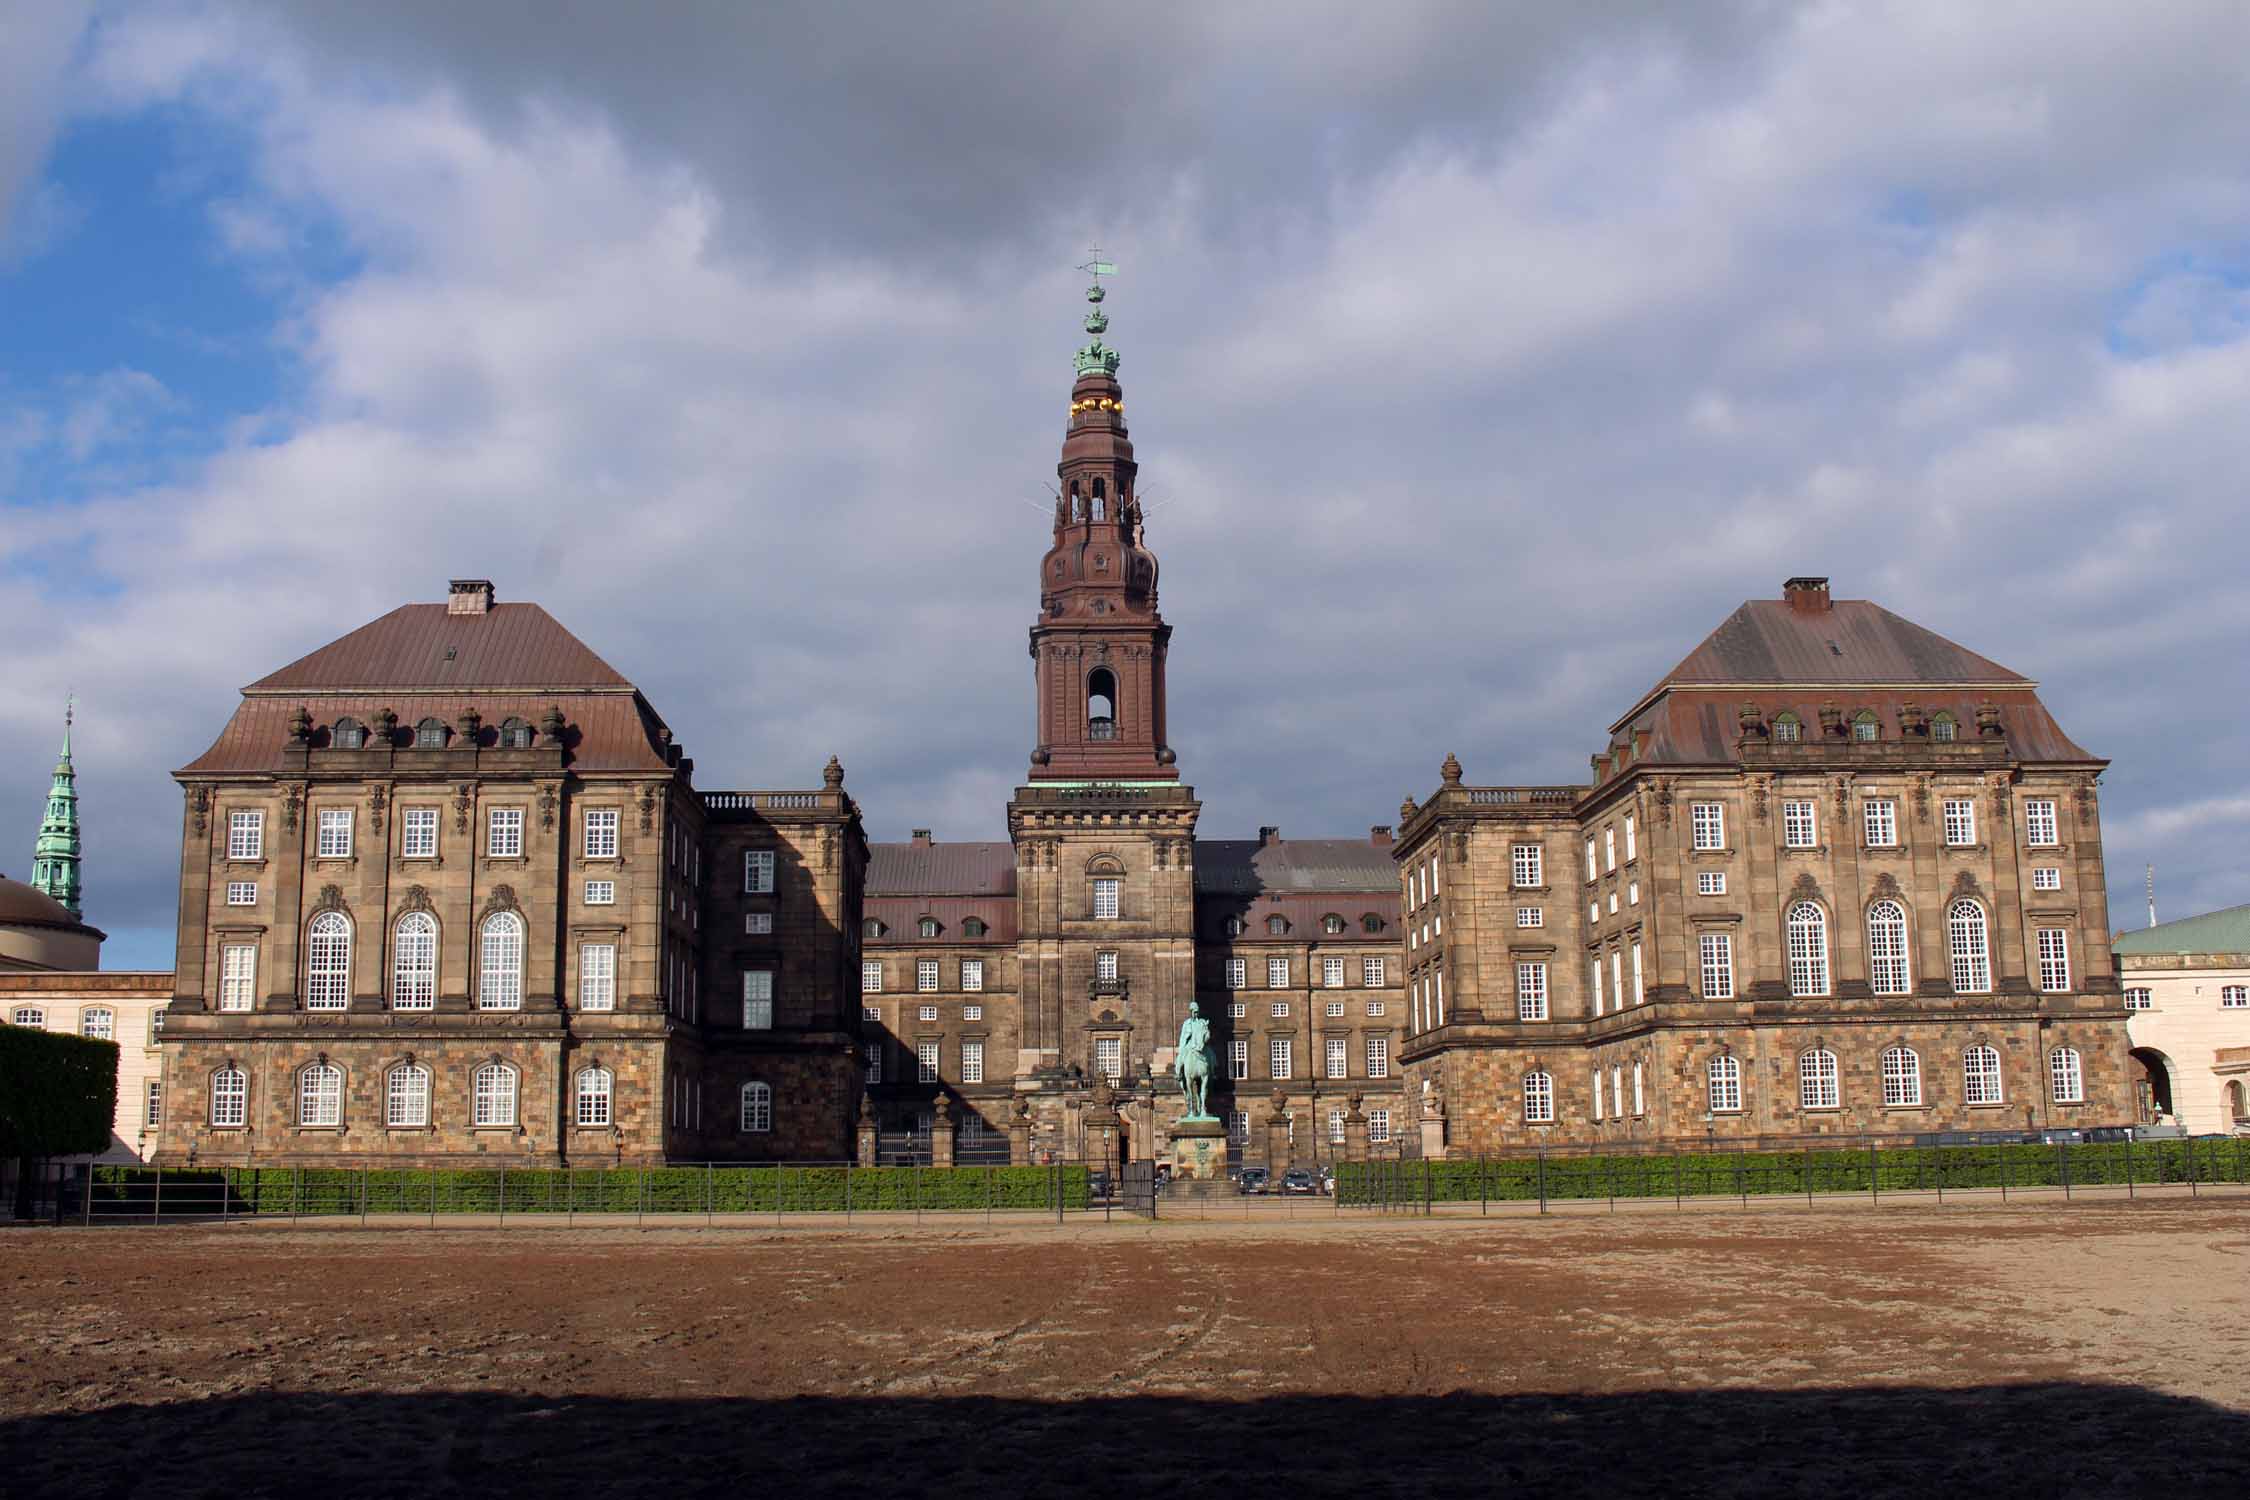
x=1097, y=358
x=54, y=859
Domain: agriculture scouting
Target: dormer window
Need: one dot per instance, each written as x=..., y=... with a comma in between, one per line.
x=1332, y=924
x=1788, y=729
x=349, y=734
x=927, y=927
x=1943, y=728
x=1371, y=923
x=973, y=927
x=1234, y=927
x=1865, y=729
x=430, y=735
x=1276, y=926
x=872, y=927
x=515, y=734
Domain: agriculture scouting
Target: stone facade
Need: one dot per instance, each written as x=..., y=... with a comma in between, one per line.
x=2187, y=987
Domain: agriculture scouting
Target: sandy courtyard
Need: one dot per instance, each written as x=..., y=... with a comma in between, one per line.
x=2080, y=1349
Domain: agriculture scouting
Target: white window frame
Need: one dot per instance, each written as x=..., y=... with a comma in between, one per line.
x=972, y=1061
x=503, y=833
x=492, y=1096
x=1531, y=916
x=418, y=833
x=2054, y=959
x=2042, y=828
x=1337, y=1053
x=1278, y=1009
x=757, y=999
x=1806, y=931
x=925, y=976
x=1968, y=946
x=246, y=833
x=758, y=868
x=1378, y=1127
x=333, y=840
x=598, y=833
x=1960, y=817
x=1105, y=965
x=2139, y=997
x=1593, y=872
x=871, y=976
x=755, y=1114
x=1281, y=1058
x=1531, y=991
x=1538, y=1097
x=238, y=991
x=593, y=1098
x=1901, y=1069
x=1237, y=973
x=972, y=1012
x=1371, y=973
x=1707, y=822
x=1818, y=1086
x=972, y=975
x=1108, y=898
x=98, y=1023
x=1238, y=1058
x=2046, y=878
x=597, y=976
x=1378, y=1051
x=1597, y=984
x=328, y=962
x=2234, y=997
x=1800, y=823
x=1710, y=882
x=242, y=893
x=871, y=1061
x=230, y=1099
x=1632, y=850
x=1609, y=849
x=1981, y=1079
x=1889, y=966
x=1880, y=814
x=152, y=1104
x=1109, y=1057
x=757, y=923
x=2066, y=1076
x=601, y=893
x=1722, y=1085
x=320, y=1096
x=1277, y=973
x=929, y=1057
x=1332, y=973
x=414, y=958
x=1715, y=950
x=1527, y=863
x=500, y=962
x=925, y=1012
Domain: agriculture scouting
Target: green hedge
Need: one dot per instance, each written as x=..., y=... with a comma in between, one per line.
x=603, y=1190
x=1763, y=1173
x=58, y=1093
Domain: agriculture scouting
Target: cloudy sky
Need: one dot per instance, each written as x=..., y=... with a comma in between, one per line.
x=1481, y=359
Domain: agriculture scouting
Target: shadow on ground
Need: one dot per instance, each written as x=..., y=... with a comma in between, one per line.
x=1989, y=1441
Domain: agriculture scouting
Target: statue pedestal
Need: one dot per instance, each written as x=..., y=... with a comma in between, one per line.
x=1198, y=1150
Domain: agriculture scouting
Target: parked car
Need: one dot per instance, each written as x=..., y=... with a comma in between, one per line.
x=1299, y=1182
x=1255, y=1180
x=1097, y=1185
x=2062, y=1136
x=2109, y=1133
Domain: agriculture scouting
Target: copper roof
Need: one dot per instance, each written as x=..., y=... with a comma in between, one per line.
x=934, y=869
x=1251, y=866
x=607, y=731
x=2224, y=931
x=424, y=647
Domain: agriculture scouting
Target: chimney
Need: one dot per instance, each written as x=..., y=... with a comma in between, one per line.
x=1807, y=596
x=469, y=596
x=1380, y=835
x=1269, y=836
x=922, y=838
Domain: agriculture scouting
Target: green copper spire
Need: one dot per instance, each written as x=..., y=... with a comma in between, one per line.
x=54, y=860
x=1097, y=358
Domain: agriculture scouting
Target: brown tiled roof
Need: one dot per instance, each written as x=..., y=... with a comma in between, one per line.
x=607, y=731
x=1252, y=866
x=1701, y=726
x=517, y=646
x=1852, y=641
x=902, y=914
x=24, y=905
x=971, y=869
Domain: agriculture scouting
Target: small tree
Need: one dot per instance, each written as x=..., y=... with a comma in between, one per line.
x=58, y=1095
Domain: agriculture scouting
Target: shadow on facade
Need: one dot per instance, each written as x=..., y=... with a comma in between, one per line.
x=1985, y=1440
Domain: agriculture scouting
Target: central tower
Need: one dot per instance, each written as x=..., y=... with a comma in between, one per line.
x=1099, y=644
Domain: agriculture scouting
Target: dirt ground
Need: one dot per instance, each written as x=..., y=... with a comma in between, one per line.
x=2096, y=1349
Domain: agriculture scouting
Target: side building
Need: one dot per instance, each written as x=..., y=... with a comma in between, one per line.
x=1832, y=875
x=2187, y=1002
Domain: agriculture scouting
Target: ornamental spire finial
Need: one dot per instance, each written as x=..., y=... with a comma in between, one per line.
x=54, y=858
x=1097, y=358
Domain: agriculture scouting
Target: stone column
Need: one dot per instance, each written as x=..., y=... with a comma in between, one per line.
x=1355, y=1127
x=1277, y=1133
x=941, y=1134
x=1019, y=1134
x=866, y=1131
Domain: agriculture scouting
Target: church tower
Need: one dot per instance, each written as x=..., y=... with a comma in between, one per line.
x=1104, y=833
x=1099, y=644
x=54, y=859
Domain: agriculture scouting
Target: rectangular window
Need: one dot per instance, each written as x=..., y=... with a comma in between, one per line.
x=246, y=835
x=1238, y=1059
x=1334, y=1009
x=1371, y=973
x=1711, y=882
x=152, y=1104
x=871, y=1060
x=1332, y=973
x=1882, y=822
x=1374, y=1007
x=597, y=976
x=2139, y=999
x=757, y=999
x=1960, y=822
x=242, y=893
x=1105, y=966
x=1526, y=864
x=1339, y=1057
x=1718, y=966
x=2046, y=878
x=1278, y=1056
x=1105, y=900
x=1597, y=984
x=2064, y=1073
x=1613, y=903
x=1609, y=848
x=238, y=974
x=503, y=833
x=926, y=1062
x=1238, y=973
x=925, y=974
x=1631, y=852
x=155, y=1025
x=2039, y=824
x=871, y=1013
x=1617, y=978
x=1531, y=916
x=757, y=872
x=230, y=1097
x=1597, y=1094
x=1531, y=992
x=1378, y=1057
x=2234, y=997
x=1279, y=1010
x=601, y=833
x=871, y=976
x=1632, y=893
x=334, y=840
x=925, y=1013
x=972, y=1012
x=1277, y=973
x=1109, y=1057
x=1638, y=994
x=417, y=837
x=972, y=1063
x=2054, y=960
x=1236, y=1010
x=1591, y=870
x=1640, y=1100
x=601, y=893
x=1336, y=1127
x=757, y=923
x=1708, y=821
x=1238, y=1128
x=1593, y=911
x=972, y=974
x=1378, y=1126
x=1798, y=827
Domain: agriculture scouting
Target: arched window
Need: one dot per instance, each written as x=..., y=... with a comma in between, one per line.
x=1943, y=728
x=1538, y=1098
x=1723, y=1086
x=873, y=928
x=349, y=734
x=2237, y=1100
x=98, y=1022
x=1816, y=1080
x=973, y=927
x=1865, y=728
x=500, y=963
x=515, y=734
x=430, y=735
x=1332, y=923
x=1371, y=923
x=406, y=1095
x=1101, y=501
x=1886, y=948
x=230, y=1098
x=1788, y=729
x=27, y=1015
x=414, y=962
x=1902, y=1078
x=757, y=1108
x=2068, y=1078
x=1077, y=504
x=1808, y=949
x=320, y=1094
x=492, y=1095
x=1277, y=926
x=1980, y=1076
x=1101, y=704
x=928, y=927
x=328, y=962
x=1965, y=940
x=593, y=1096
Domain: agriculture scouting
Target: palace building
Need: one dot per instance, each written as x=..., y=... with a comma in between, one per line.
x=449, y=894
